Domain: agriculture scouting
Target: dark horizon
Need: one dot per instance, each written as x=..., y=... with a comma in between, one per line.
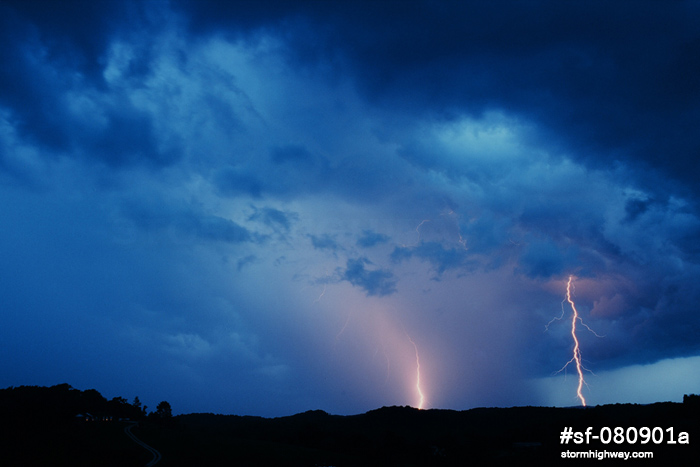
x=65, y=426
x=43, y=394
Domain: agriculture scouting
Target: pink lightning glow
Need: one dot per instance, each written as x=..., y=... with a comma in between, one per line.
x=421, y=401
x=577, y=349
x=576, y=358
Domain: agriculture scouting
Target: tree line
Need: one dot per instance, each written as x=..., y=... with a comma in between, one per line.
x=62, y=402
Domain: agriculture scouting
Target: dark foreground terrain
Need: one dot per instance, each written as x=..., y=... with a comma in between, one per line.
x=41, y=428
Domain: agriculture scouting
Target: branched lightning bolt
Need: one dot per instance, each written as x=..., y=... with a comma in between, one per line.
x=421, y=400
x=576, y=358
x=453, y=216
x=462, y=241
x=577, y=349
x=418, y=240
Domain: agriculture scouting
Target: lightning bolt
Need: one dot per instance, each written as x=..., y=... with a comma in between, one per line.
x=421, y=400
x=337, y=337
x=577, y=348
x=418, y=228
x=455, y=217
x=322, y=294
x=325, y=280
x=576, y=358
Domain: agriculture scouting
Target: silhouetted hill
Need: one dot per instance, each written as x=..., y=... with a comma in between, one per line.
x=407, y=436
x=389, y=436
x=60, y=425
x=60, y=403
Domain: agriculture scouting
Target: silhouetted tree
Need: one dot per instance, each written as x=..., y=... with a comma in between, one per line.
x=119, y=407
x=138, y=410
x=163, y=414
x=54, y=404
x=691, y=399
x=164, y=411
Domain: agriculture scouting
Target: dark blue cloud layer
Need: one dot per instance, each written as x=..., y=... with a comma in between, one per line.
x=377, y=282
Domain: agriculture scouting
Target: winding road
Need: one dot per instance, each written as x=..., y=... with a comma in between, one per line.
x=156, y=454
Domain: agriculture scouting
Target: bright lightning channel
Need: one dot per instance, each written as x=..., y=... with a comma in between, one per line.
x=421, y=400
x=576, y=358
x=577, y=349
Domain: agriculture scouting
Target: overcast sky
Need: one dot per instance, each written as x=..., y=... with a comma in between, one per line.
x=264, y=208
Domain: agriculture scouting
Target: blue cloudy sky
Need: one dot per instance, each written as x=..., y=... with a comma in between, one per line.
x=259, y=207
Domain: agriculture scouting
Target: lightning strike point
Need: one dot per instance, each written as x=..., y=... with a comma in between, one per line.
x=421, y=400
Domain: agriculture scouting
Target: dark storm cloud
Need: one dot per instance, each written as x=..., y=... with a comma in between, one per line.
x=128, y=138
x=234, y=182
x=613, y=91
x=370, y=238
x=181, y=220
x=325, y=242
x=544, y=259
x=607, y=80
x=379, y=282
x=216, y=228
x=75, y=32
x=292, y=154
x=439, y=256
x=636, y=207
x=52, y=55
x=623, y=88
x=290, y=170
x=274, y=218
x=243, y=262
